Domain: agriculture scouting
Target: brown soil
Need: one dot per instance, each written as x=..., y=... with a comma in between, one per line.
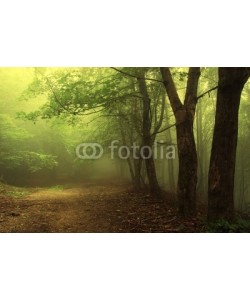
x=92, y=208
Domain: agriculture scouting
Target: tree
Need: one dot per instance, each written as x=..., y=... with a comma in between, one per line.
x=147, y=138
x=184, y=116
x=19, y=159
x=126, y=97
x=223, y=153
x=242, y=174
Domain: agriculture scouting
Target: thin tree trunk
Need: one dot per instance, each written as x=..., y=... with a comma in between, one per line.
x=136, y=137
x=137, y=174
x=200, y=148
x=147, y=142
x=223, y=153
x=130, y=166
x=170, y=161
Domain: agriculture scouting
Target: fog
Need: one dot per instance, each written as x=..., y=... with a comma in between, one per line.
x=76, y=126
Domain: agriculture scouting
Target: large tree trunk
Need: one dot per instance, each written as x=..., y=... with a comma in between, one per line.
x=223, y=154
x=184, y=116
x=187, y=179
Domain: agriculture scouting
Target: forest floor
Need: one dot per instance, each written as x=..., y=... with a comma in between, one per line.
x=91, y=207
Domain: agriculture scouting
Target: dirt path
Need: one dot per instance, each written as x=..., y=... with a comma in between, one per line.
x=90, y=208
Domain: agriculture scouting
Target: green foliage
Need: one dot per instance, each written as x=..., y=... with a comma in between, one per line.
x=224, y=226
x=16, y=194
x=30, y=161
x=38, y=161
x=57, y=187
x=71, y=91
x=181, y=228
x=75, y=105
x=12, y=191
x=13, y=149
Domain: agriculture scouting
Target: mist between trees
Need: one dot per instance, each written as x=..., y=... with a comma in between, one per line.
x=202, y=113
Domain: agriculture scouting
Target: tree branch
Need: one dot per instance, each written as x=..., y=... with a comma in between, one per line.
x=207, y=92
x=171, y=89
x=192, y=86
x=52, y=90
x=159, y=123
x=166, y=128
x=134, y=76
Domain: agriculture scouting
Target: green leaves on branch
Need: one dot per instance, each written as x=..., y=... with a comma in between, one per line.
x=70, y=91
x=31, y=161
x=13, y=149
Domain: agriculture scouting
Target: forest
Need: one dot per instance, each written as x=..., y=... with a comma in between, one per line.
x=124, y=149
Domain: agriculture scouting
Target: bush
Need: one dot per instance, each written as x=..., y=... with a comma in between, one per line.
x=224, y=226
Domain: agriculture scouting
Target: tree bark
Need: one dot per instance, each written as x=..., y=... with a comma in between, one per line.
x=223, y=153
x=200, y=148
x=171, y=178
x=184, y=116
x=187, y=179
x=147, y=141
x=123, y=136
x=137, y=177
